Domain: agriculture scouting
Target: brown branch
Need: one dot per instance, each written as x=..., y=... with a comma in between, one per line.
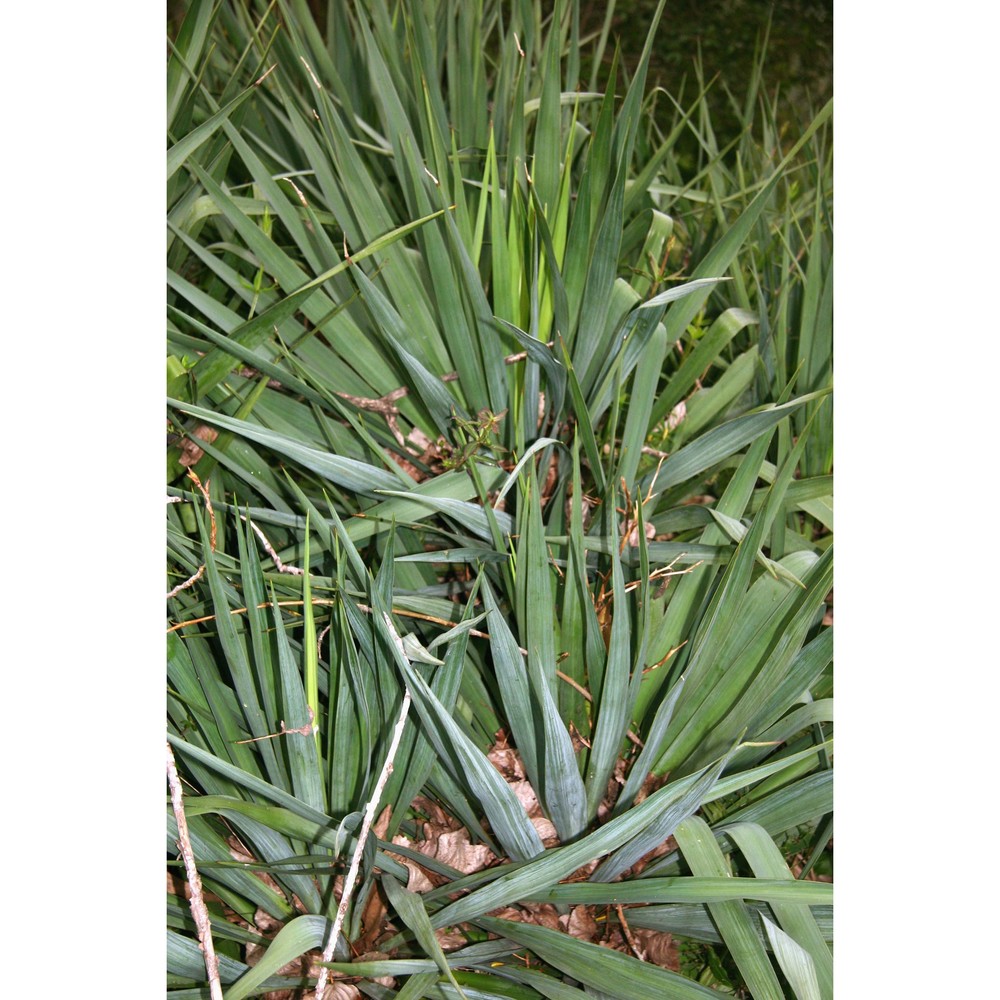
x=196, y=576
x=279, y=565
x=329, y=602
x=386, y=404
x=247, y=372
x=636, y=950
x=198, y=908
x=306, y=730
x=352, y=873
x=589, y=697
x=187, y=583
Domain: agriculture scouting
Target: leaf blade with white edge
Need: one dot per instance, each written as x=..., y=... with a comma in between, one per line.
x=413, y=913
x=701, y=851
x=794, y=961
x=613, y=973
x=507, y=817
x=304, y=933
x=345, y=472
x=797, y=921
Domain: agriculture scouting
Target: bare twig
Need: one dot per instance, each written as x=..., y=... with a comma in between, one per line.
x=198, y=908
x=386, y=404
x=352, y=873
x=309, y=70
x=663, y=572
x=583, y=692
x=196, y=576
x=247, y=372
x=319, y=642
x=279, y=565
x=267, y=73
x=329, y=602
x=306, y=730
x=193, y=476
x=636, y=950
x=659, y=663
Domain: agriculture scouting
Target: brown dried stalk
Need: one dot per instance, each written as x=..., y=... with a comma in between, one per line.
x=352, y=873
x=198, y=908
x=279, y=565
x=195, y=577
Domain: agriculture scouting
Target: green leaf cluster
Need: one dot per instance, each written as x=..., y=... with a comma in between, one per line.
x=454, y=337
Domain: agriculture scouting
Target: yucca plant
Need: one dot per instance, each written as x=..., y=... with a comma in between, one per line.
x=501, y=550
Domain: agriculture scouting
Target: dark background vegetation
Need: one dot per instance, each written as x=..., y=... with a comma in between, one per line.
x=726, y=33
x=723, y=37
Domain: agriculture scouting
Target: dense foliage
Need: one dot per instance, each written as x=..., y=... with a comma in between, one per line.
x=483, y=399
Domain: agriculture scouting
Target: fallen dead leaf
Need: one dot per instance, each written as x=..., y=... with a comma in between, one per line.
x=580, y=923
x=455, y=849
x=543, y=914
x=505, y=758
x=342, y=991
x=191, y=452
x=659, y=947
x=418, y=880
x=450, y=940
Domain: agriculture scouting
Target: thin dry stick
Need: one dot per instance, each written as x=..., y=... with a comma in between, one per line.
x=279, y=565
x=198, y=908
x=352, y=873
x=329, y=602
x=195, y=577
x=208, y=505
x=306, y=730
x=386, y=405
x=589, y=697
x=190, y=581
x=636, y=950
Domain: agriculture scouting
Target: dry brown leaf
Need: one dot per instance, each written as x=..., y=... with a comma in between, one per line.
x=506, y=759
x=455, y=849
x=342, y=991
x=525, y=794
x=633, y=538
x=419, y=439
x=381, y=827
x=190, y=452
x=546, y=831
x=418, y=880
x=543, y=914
x=373, y=922
x=659, y=947
x=580, y=923
x=265, y=923
x=450, y=940
x=408, y=467
x=436, y=816
x=653, y=783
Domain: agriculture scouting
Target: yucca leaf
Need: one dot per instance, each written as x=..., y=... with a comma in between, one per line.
x=613, y=973
x=734, y=921
x=302, y=934
x=808, y=965
x=411, y=911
